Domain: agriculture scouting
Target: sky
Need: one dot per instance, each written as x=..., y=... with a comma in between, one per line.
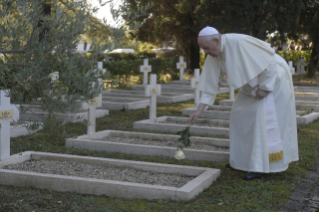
x=104, y=11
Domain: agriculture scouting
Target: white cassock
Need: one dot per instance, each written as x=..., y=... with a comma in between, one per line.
x=263, y=132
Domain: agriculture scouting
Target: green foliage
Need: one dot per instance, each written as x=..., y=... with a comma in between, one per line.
x=184, y=139
x=295, y=55
x=160, y=66
x=308, y=24
x=256, y=18
x=36, y=41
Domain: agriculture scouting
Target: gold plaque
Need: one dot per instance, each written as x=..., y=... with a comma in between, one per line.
x=53, y=76
x=154, y=90
x=7, y=114
x=182, y=66
x=146, y=69
x=196, y=83
x=93, y=102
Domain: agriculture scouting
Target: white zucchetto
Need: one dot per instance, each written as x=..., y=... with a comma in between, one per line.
x=208, y=31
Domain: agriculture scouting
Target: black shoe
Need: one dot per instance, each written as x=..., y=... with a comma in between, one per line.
x=252, y=175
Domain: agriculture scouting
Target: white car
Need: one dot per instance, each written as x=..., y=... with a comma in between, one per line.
x=123, y=51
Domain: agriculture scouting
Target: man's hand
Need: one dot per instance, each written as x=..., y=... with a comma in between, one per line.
x=260, y=94
x=193, y=117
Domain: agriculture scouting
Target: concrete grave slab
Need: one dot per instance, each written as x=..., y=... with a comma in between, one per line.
x=175, y=124
x=178, y=88
x=37, y=114
x=104, y=141
x=223, y=112
x=204, y=177
x=17, y=130
x=125, y=103
x=163, y=98
x=314, y=89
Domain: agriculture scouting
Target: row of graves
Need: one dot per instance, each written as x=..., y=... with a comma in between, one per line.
x=135, y=179
x=177, y=91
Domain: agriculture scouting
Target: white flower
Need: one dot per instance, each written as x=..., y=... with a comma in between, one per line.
x=179, y=154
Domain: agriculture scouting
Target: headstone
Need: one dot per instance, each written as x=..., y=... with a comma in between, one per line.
x=92, y=104
x=6, y=115
x=194, y=84
x=231, y=93
x=302, y=65
x=290, y=65
x=153, y=90
x=297, y=64
x=145, y=68
x=181, y=65
x=100, y=80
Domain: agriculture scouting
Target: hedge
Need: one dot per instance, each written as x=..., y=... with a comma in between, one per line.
x=295, y=56
x=160, y=66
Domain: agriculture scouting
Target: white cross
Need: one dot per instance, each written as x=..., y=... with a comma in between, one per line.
x=153, y=90
x=181, y=66
x=145, y=68
x=6, y=115
x=298, y=66
x=292, y=69
x=302, y=64
x=92, y=104
x=100, y=68
x=194, y=84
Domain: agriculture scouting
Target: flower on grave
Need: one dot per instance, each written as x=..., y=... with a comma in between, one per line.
x=179, y=154
x=183, y=141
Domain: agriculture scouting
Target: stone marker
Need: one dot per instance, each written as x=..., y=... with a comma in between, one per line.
x=6, y=115
x=145, y=68
x=194, y=84
x=297, y=64
x=100, y=67
x=181, y=66
x=153, y=90
x=302, y=66
x=292, y=69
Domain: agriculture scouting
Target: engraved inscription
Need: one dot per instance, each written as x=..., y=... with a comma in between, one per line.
x=154, y=90
x=146, y=69
x=6, y=114
x=93, y=101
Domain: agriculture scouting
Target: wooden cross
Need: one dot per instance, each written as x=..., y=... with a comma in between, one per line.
x=153, y=90
x=181, y=65
x=194, y=84
x=145, y=68
x=6, y=115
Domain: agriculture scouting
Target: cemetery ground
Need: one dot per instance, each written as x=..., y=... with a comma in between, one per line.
x=228, y=193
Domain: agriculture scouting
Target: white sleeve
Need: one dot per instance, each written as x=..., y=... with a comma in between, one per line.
x=267, y=78
x=207, y=99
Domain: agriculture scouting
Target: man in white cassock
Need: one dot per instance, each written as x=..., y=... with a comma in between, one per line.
x=263, y=130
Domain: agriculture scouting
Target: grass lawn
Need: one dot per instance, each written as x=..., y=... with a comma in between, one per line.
x=228, y=193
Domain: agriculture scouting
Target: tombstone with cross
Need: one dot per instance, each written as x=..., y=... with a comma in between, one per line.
x=91, y=107
x=194, y=84
x=145, y=68
x=297, y=64
x=302, y=65
x=100, y=80
x=6, y=115
x=153, y=90
x=181, y=65
x=292, y=69
x=231, y=93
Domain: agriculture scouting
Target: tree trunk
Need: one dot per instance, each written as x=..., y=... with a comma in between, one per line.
x=194, y=57
x=46, y=11
x=313, y=63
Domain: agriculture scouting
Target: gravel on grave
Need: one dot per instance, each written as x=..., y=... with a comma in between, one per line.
x=100, y=172
x=157, y=142
x=203, y=124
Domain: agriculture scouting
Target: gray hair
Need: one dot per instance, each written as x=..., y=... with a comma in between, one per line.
x=210, y=38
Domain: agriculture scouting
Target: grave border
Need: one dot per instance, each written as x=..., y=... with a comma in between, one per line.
x=205, y=177
x=167, y=127
x=88, y=142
